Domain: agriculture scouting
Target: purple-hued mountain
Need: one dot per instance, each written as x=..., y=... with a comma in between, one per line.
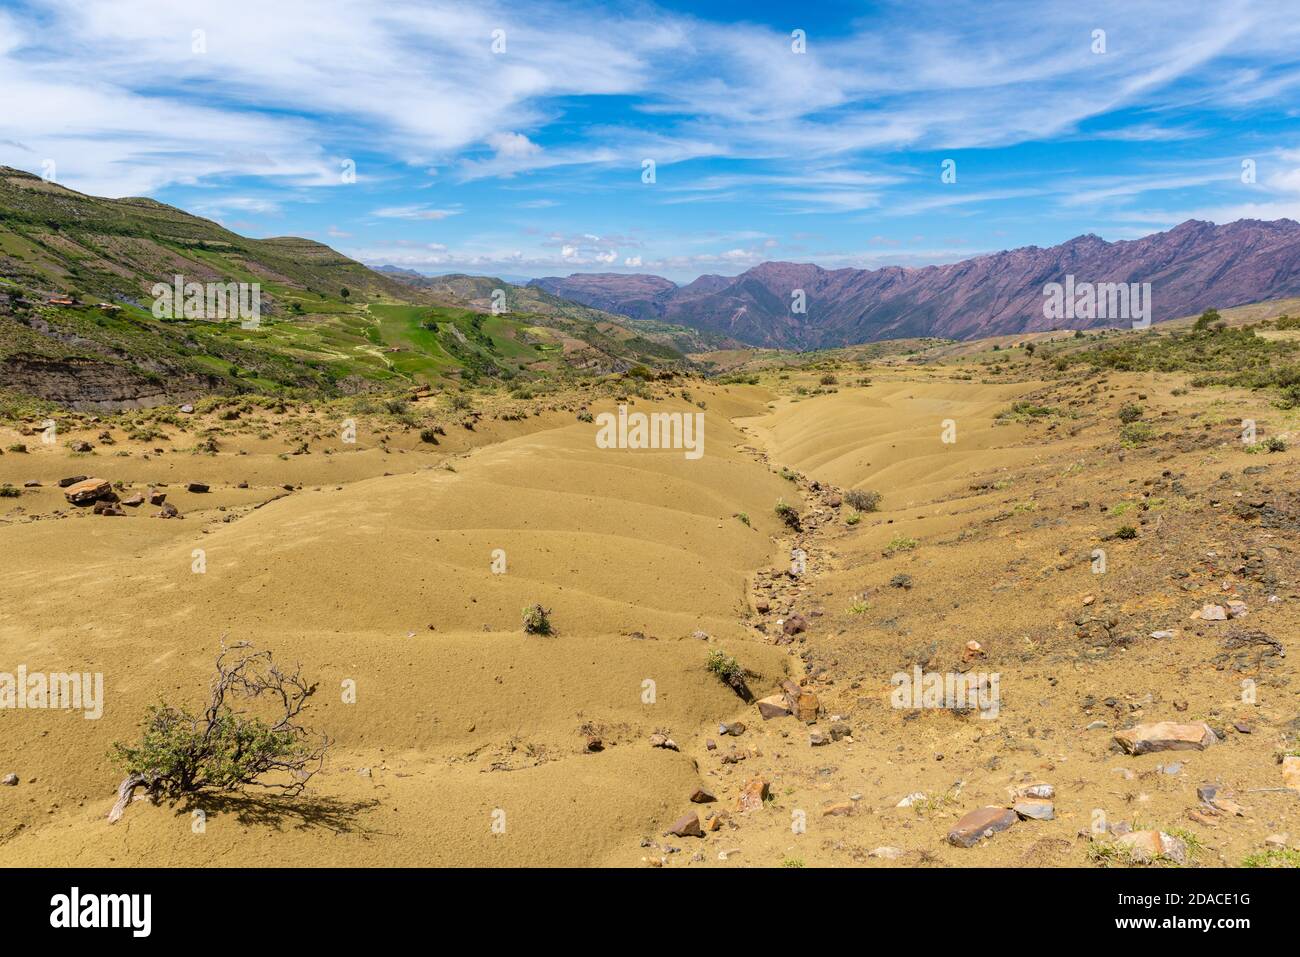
x=1190, y=268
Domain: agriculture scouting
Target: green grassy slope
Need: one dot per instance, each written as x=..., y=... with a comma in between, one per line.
x=329, y=324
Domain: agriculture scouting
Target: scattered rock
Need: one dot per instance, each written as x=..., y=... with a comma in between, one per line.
x=9, y=781
x=687, y=826
x=1035, y=810
x=817, y=739
x=1149, y=845
x=979, y=824
x=773, y=706
x=134, y=501
x=1039, y=790
x=734, y=728
x=753, y=795
x=1165, y=736
x=196, y=487
x=794, y=625
x=1291, y=772
x=87, y=490
x=701, y=796
x=167, y=511
x=840, y=729
x=660, y=741
x=885, y=853
x=594, y=745
x=73, y=480
x=838, y=809
x=1211, y=613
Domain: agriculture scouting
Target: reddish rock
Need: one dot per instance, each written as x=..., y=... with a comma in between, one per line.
x=773, y=706
x=753, y=795
x=979, y=824
x=196, y=487
x=87, y=491
x=72, y=480
x=701, y=796
x=156, y=497
x=687, y=826
x=794, y=625
x=1291, y=772
x=1166, y=736
x=134, y=500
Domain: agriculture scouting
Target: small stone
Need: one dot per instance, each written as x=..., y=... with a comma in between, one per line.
x=817, y=739
x=1211, y=613
x=687, y=826
x=134, y=501
x=754, y=794
x=1035, y=810
x=979, y=824
x=1291, y=772
x=1096, y=726
x=1165, y=736
x=701, y=796
x=885, y=853
x=1039, y=790
x=196, y=487
x=594, y=745
x=1237, y=609
x=9, y=781
x=773, y=706
x=1161, y=635
x=838, y=809
x=734, y=728
x=795, y=624
x=1276, y=840
x=168, y=510
x=840, y=729
x=71, y=480
x=1149, y=845
x=911, y=799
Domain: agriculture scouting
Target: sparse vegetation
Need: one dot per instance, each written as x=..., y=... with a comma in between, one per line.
x=900, y=543
x=862, y=500
x=537, y=620
x=788, y=514
x=225, y=748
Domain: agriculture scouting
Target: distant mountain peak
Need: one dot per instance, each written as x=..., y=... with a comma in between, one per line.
x=1191, y=267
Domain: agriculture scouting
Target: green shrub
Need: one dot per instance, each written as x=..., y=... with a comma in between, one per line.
x=1130, y=413
x=224, y=748
x=788, y=514
x=863, y=500
x=537, y=620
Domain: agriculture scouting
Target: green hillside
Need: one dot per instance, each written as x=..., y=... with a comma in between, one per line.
x=328, y=325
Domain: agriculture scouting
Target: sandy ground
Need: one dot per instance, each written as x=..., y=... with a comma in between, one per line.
x=376, y=569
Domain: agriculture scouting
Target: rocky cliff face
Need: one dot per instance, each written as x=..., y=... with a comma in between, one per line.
x=1190, y=268
x=92, y=385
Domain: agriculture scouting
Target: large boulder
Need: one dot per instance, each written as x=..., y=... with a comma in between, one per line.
x=87, y=491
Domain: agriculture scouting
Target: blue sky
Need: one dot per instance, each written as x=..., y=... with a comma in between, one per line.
x=528, y=160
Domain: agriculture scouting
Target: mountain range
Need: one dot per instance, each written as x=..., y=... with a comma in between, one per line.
x=1191, y=267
